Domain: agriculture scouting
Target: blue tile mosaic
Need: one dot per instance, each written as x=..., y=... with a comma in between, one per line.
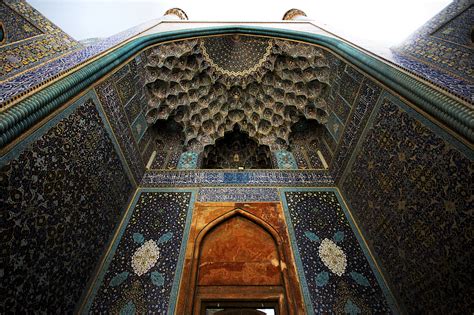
x=160, y=159
x=54, y=68
x=15, y=27
x=188, y=160
x=139, y=127
x=461, y=87
x=458, y=29
x=110, y=100
x=440, y=50
x=300, y=158
x=339, y=275
x=166, y=160
x=133, y=109
x=409, y=185
x=125, y=84
x=285, y=160
x=335, y=126
x=141, y=274
x=31, y=39
x=62, y=191
x=369, y=95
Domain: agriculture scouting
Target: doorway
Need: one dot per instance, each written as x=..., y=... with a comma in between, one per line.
x=238, y=261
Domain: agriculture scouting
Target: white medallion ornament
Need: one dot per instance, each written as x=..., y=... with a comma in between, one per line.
x=145, y=257
x=332, y=256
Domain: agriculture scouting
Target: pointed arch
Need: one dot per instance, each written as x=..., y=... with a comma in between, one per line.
x=272, y=261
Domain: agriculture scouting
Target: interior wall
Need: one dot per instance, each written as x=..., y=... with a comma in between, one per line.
x=62, y=191
x=409, y=185
x=317, y=222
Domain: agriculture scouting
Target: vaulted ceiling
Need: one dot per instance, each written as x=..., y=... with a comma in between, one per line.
x=211, y=84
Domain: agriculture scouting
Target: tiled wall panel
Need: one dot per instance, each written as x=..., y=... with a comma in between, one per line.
x=335, y=269
x=116, y=94
x=62, y=191
x=140, y=276
x=410, y=188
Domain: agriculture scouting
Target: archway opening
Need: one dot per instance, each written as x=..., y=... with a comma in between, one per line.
x=239, y=267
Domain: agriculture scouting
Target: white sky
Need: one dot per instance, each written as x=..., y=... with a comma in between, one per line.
x=383, y=22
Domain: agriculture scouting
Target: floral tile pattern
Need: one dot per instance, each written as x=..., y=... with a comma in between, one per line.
x=140, y=276
x=188, y=160
x=410, y=189
x=61, y=197
x=285, y=160
x=338, y=274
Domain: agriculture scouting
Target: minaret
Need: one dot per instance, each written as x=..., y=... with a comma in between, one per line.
x=295, y=15
x=175, y=14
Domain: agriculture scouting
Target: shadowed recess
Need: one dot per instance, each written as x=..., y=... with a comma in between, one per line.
x=236, y=149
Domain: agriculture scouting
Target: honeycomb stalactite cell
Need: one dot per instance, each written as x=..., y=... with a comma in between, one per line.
x=264, y=85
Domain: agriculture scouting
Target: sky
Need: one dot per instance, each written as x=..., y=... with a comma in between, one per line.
x=384, y=22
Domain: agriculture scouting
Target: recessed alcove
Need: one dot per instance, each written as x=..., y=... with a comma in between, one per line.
x=305, y=140
x=240, y=255
x=168, y=137
x=236, y=150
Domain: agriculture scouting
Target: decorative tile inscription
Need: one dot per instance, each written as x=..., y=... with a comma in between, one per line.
x=238, y=194
x=109, y=98
x=280, y=178
x=31, y=39
x=52, y=68
x=364, y=105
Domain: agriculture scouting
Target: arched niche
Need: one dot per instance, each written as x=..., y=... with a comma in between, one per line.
x=238, y=259
x=236, y=150
x=168, y=141
x=305, y=140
